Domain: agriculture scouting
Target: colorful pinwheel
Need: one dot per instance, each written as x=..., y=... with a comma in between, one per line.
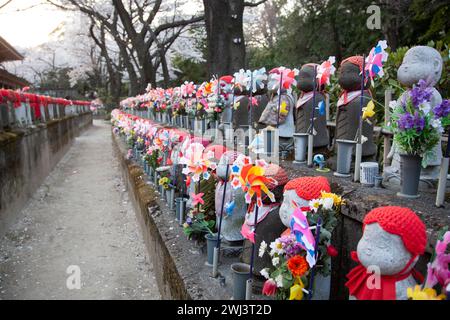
x=288, y=78
x=257, y=79
x=197, y=162
x=300, y=228
x=374, y=62
x=325, y=71
x=251, y=179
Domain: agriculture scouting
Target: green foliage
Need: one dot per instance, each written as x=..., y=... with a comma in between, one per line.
x=189, y=70
x=199, y=226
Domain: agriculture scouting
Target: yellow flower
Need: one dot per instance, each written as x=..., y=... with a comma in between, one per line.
x=424, y=294
x=297, y=290
x=199, y=106
x=337, y=200
x=368, y=111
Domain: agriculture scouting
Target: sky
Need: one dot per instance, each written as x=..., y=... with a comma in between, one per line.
x=28, y=23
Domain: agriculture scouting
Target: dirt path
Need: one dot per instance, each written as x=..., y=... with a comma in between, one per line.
x=79, y=217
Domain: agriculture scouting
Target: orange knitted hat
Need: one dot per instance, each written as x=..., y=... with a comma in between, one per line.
x=356, y=60
x=402, y=222
x=309, y=188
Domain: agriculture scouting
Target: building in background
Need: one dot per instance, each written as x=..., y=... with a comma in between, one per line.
x=8, y=80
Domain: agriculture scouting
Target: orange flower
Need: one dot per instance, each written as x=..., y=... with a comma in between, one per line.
x=297, y=265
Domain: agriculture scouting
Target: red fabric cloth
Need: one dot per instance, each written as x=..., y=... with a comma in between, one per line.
x=358, y=282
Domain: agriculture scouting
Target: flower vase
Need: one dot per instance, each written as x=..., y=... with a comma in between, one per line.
x=180, y=209
x=344, y=157
x=171, y=199
x=322, y=286
x=211, y=243
x=240, y=273
x=411, y=166
x=301, y=147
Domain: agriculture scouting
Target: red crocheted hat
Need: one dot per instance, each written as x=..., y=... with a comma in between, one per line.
x=279, y=174
x=309, y=188
x=402, y=222
x=356, y=60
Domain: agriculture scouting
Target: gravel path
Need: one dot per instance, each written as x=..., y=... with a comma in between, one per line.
x=79, y=217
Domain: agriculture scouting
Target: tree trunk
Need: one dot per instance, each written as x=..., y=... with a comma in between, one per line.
x=225, y=36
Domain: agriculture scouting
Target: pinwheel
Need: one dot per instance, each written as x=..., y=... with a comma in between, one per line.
x=257, y=80
x=283, y=76
x=375, y=60
x=197, y=162
x=197, y=199
x=325, y=71
x=300, y=228
x=251, y=179
x=242, y=79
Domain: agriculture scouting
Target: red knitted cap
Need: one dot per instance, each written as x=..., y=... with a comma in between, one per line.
x=402, y=222
x=279, y=174
x=309, y=188
x=356, y=60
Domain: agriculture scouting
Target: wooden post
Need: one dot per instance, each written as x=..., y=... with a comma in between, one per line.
x=387, y=119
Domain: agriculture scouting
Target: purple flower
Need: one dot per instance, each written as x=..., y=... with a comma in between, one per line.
x=409, y=121
x=189, y=220
x=290, y=246
x=442, y=110
x=420, y=93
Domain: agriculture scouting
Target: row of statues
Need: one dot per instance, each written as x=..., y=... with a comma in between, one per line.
x=420, y=62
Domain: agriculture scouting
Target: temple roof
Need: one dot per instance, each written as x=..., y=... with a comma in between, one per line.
x=7, y=52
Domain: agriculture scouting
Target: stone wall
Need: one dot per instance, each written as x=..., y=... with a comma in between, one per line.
x=28, y=155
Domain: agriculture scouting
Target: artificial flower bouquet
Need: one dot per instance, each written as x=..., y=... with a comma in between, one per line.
x=438, y=273
x=327, y=208
x=416, y=125
x=198, y=224
x=287, y=277
x=166, y=182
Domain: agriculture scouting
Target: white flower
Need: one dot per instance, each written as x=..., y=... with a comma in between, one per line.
x=314, y=205
x=262, y=249
x=393, y=104
x=279, y=281
x=327, y=203
x=275, y=261
x=277, y=248
x=437, y=124
x=265, y=273
x=425, y=107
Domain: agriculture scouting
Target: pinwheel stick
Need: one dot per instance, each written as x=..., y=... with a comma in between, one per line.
x=358, y=153
x=252, y=260
x=313, y=270
x=279, y=99
x=217, y=249
x=311, y=129
x=440, y=197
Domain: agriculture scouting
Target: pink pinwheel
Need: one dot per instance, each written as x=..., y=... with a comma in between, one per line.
x=197, y=199
x=325, y=71
x=288, y=80
x=300, y=228
x=197, y=162
x=374, y=62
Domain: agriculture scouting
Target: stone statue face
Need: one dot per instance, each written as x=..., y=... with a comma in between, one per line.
x=349, y=77
x=382, y=249
x=306, y=79
x=420, y=62
x=287, y=208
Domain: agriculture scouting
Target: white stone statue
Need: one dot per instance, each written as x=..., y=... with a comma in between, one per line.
x=419, y=63
x=393, y=240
